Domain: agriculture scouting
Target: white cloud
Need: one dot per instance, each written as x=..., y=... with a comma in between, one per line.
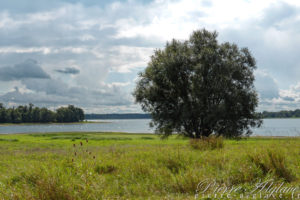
x=118, y=84
x=124, y=58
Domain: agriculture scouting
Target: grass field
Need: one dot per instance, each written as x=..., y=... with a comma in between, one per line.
x=142, y=166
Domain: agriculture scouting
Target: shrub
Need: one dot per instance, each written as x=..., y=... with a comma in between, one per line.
x=207, y=143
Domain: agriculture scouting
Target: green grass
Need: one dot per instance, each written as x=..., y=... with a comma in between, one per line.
x=138, y=166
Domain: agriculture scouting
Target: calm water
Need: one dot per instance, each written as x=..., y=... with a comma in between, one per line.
x=271, y=127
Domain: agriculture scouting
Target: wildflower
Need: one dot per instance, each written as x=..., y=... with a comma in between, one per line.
x=72, y=159
x=80, y=143
x=94, y=157
x=74, y=145
x=75, y=153
x=87, y=140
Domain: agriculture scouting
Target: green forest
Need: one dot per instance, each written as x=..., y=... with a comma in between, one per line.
x=31, y=114
x=282, y=114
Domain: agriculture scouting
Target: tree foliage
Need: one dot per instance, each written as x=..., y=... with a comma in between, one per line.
x=25, y=114
x=199, y=87
x=69, y=114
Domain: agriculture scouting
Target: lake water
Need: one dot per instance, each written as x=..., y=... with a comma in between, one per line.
x=271, y=127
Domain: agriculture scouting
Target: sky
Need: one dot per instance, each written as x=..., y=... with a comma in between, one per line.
x=89, y=52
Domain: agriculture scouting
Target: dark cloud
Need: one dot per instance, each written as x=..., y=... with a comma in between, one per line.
x=24, y=70
x=68, y=70
x=48, y=86
x=288, y=98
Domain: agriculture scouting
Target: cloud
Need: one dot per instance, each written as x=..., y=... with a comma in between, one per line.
x=54, y=93
x=266, y=86
x=68, y=70
x=292, y=93
x=288, y=99
x=24, y=70
x=277, y=13
x=60, y=92
x=272, y=98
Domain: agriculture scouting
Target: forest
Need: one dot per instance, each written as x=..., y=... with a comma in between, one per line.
x=282, y=114
x=31, y=114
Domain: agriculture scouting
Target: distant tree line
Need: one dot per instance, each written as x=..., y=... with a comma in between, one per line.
x=31, y=114
x=118, y=116
x=281, y=114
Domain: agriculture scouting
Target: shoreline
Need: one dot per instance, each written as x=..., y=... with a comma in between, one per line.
x=51, y=123
x=142, y=134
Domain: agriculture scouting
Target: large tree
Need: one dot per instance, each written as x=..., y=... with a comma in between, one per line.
x=199, y=87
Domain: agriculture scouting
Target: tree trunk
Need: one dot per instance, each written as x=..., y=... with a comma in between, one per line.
x=197, y=134
x=206, y=132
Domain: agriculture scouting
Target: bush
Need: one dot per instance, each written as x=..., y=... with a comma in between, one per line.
x=207, y=143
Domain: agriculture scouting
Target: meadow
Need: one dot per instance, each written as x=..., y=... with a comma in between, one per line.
x=143, y=166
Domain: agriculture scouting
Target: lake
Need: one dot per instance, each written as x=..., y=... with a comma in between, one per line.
x=271, y=127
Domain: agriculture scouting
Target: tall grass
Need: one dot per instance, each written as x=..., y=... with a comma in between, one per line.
x=138, y=168
x=272, y=161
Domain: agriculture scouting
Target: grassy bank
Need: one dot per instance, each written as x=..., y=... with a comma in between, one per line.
x=138, y=166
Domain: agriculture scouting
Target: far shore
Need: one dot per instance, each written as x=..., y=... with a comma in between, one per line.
x=52, y=123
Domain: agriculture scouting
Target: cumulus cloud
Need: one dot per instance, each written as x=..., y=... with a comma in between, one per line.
x=24, y=70
x=54, y=92
x=68, y=70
